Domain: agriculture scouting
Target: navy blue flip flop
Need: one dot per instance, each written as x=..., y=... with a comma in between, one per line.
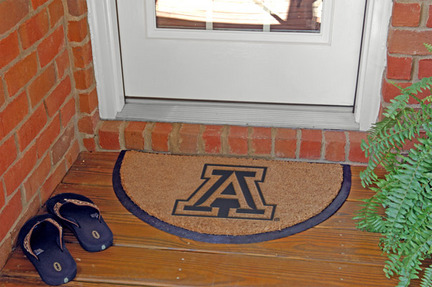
x=41, y=239
x=82, y=216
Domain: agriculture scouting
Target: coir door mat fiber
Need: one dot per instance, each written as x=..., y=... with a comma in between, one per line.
x=228, y=200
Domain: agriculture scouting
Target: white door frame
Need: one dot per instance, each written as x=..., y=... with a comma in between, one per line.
x=103, y=24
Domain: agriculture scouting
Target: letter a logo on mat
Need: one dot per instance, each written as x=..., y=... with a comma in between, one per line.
x=228, y=192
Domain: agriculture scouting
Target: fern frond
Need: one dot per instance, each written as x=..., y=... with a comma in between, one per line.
x=427, y=277
x=397, y=104
x=407, y=256
x=420, y=86
x=402, y=123
x=406, y=190
x=406, y=194
x=386, y=140
x=412, y=262
x=368, y=217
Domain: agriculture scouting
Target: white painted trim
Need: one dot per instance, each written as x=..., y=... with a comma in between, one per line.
x=102, y=17
x=106, y=54
x=373, y=61
x=322, y=37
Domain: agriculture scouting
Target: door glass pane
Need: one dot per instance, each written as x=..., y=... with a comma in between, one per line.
x=240, y=15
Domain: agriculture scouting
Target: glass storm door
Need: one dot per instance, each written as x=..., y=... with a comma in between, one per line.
x=259, y=51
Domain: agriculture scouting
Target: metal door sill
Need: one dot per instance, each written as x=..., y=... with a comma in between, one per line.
x=242, y=114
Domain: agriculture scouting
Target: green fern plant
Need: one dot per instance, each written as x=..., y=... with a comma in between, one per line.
x=401, y=208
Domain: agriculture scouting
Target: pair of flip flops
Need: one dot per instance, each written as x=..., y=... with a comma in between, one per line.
x=41, y=237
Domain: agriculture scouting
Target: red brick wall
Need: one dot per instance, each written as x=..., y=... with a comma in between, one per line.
x=408, y=60
x=180, y=138
x=44, y=55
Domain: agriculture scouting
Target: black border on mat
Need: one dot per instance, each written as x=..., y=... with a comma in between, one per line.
x=237, y=239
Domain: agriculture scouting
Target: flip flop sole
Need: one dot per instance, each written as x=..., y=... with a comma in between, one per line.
x=91, y=230
x=55, y=265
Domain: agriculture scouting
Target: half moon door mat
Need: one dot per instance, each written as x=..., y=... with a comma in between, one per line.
x=228, y=200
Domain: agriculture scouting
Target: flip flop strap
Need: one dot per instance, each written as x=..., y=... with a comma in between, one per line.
x=77, y=202
x=27, y=238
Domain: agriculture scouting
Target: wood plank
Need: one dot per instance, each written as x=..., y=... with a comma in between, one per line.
x=315, y=243
x=125, y=265
x=102, y=165
x=343, y=218
x=358, y=192
x=97, y=157
x=22, y=281
x=319, y=243
x=103, y=196
x=92, y=168
x=95, y=177
x=107, y=201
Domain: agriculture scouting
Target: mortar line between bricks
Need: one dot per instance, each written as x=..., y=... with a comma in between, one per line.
x=73, y=18
x=298, y=143
x=148, y=131
x=347, y=146
x=323, y=145
x=96, y=134
x=174, y=139
x=250, y=149
x=122, y=135
x=80, y=44
x=225, y=149
x=273, y=142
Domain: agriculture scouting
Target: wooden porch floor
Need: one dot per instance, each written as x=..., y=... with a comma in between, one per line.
x=334, y=253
